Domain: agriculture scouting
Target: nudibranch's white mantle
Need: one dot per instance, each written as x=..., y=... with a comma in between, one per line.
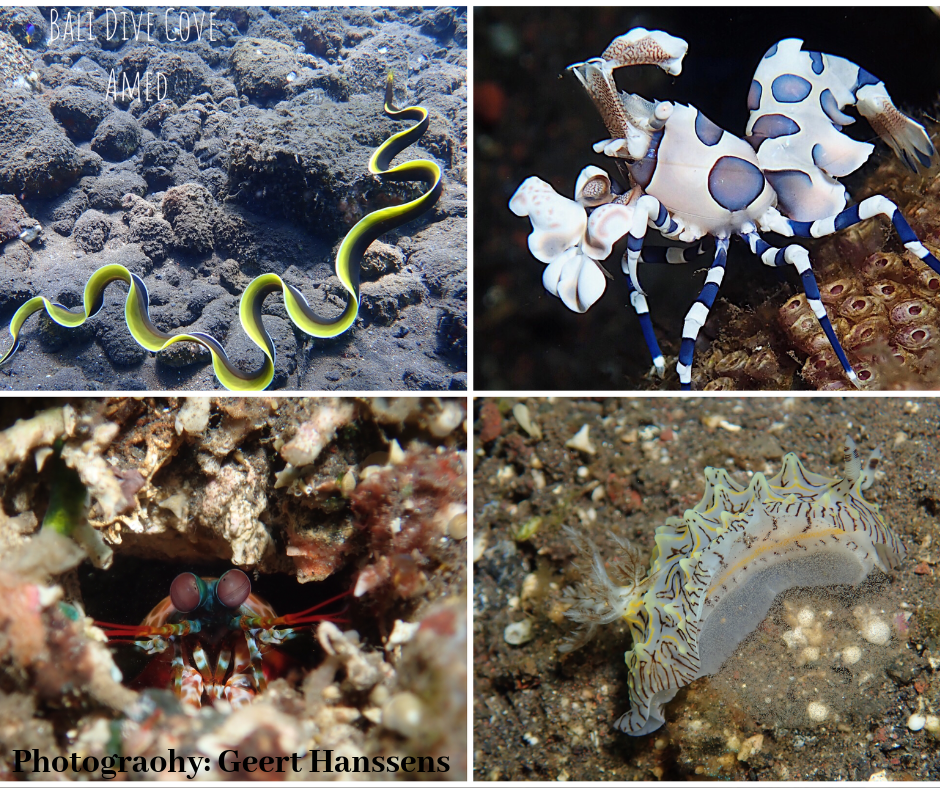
x=716, y=571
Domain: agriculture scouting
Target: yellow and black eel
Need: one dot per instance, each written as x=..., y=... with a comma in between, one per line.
x=348, y=259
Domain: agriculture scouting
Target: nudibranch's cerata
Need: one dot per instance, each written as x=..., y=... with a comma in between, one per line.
x=716, y=571
x=689, y=178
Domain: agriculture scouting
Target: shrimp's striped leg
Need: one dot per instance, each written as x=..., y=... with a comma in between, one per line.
x=201, y=662
x=649, y=211
x=769, y=255
x=798, y=257
x=189, y=683
x=673, y=255
x=642, y=309
x=866, y=209
x=697, y=315
x=254, y=660
x=238, y=690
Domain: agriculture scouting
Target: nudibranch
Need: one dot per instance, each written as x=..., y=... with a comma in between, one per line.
x=715, y=572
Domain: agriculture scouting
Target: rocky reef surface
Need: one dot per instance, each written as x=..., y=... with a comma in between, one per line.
x=313, y=498
x=200, y=159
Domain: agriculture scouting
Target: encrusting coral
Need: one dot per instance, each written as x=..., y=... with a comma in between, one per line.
x=884, y=303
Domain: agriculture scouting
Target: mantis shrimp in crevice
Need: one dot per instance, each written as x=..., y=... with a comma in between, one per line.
x=213, y=639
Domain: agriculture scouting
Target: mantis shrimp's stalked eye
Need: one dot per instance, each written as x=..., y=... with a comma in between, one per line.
x=233, y=588
x=187, y=592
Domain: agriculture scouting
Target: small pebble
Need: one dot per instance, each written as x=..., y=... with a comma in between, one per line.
x=916, y=722
x=403, y=714
x=519, y=633
x=457, y=526
x=876, y=631
x=817, y=711
x=479, y=543
x=851, y=655
x=932, y=724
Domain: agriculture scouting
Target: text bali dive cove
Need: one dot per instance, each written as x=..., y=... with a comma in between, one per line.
x=123, y=25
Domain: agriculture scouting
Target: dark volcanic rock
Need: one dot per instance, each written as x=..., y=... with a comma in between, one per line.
x=325, y=33
x=184, y=354
x=79, y=110
x=384, y=300
x=67, y=209
x=264, y=68
x=246, y=356
x=118, y=343
x=156, y=163
x=117, y=137
x=154, y=117
x=16, y=256
x=190, y=208
x=182, y=129
x=36, y=157
x=155, y=236
x=452, y=334
x=13, y=218
x=310, y=161
x=380, y=259
x=107, y=191
x=186, y=76
x=92, y=231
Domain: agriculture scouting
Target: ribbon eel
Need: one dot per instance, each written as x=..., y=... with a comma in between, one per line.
x=348, y=258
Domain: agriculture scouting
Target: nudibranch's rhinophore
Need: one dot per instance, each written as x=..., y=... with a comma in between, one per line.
x=690, y=179
x=716, y=571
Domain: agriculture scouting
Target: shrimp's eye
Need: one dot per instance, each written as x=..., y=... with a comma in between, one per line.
x=233, y=588
x=186, y=592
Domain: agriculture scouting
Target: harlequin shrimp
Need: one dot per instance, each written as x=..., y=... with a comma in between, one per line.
x=213, y=639
x=715, y=572
x=691, y=179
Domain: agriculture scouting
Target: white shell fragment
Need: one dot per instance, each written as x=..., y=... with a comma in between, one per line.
x=582, y=441
x=396, y=455
x=178, y=504
x=30, y=234
x=817, y=711
x=402, y=632
x=521, y=412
